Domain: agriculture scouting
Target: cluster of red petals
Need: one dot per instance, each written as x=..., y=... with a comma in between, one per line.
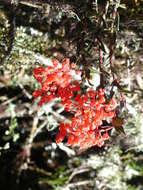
x=55, y=80
x=90, y=109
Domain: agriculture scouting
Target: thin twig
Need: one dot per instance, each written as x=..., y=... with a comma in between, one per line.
x=31, y=4
x=96, y=3
x=112, y=44
x=11, y=100
x=60, y=117
x=35, y=130
x=66, y=149
x=29, y=96
x=101, y=66
x=39, y=170
x=106, y=9
x=76, y=172
x=101, y=51
x=80, y=183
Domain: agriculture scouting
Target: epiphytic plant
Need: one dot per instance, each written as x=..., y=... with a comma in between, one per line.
x=90, y=109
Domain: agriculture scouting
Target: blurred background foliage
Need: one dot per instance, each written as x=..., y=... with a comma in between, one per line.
x=31, y=33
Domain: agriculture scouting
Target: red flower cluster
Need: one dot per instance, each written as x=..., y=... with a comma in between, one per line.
x=90, y=109
x=53, y=79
